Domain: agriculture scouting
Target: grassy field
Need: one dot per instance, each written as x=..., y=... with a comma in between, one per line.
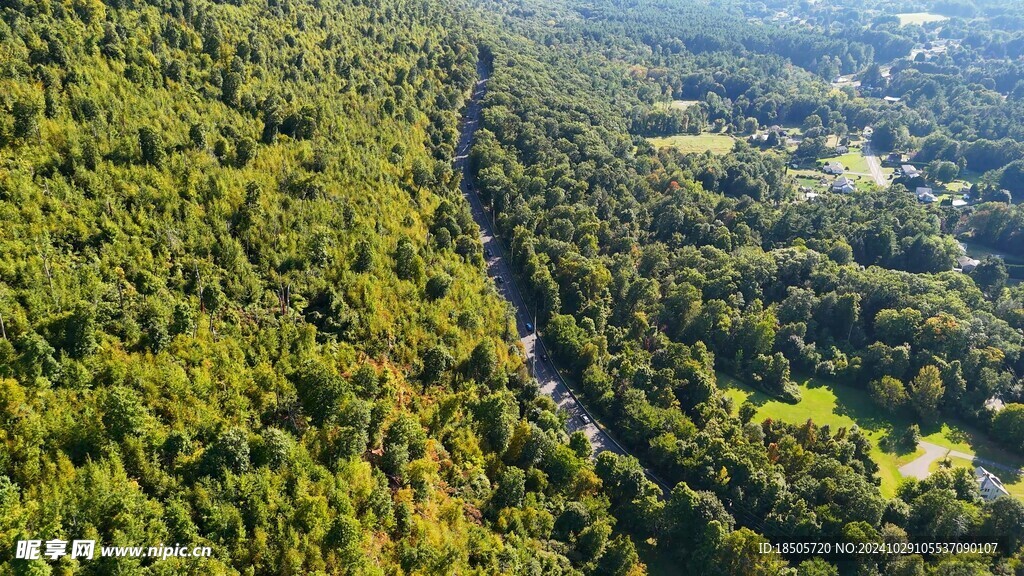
x=677, y=104
x=838, y=405
x=911, y=18
x=806, y=178
x=1014, y=485
x=959, y=187
x=687, y=143
x=853, y=161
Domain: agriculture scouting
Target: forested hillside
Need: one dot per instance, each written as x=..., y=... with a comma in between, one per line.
x=223, y=321
x=244, y=305
x=661, y=274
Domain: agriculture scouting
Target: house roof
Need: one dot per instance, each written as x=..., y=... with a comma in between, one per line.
x=989, y=483
x=907, y=168
x=843, y=184
x=967, y=261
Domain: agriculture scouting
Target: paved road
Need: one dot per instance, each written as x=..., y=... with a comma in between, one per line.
x=919, y=467
x=551, y=382
x=874, y=165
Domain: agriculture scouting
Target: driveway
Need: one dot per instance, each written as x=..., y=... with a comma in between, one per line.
x=919, y=467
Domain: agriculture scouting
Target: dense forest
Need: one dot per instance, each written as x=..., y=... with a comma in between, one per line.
x=244, y=305
x=656, y=271
x=223, y=321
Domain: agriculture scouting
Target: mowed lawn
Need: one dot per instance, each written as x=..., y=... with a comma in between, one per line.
x=676, y=104
x=844, y=406
x=909, y=18
x=853, y=161
x=696, y=143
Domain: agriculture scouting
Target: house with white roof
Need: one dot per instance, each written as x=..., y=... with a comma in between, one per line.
x=990, y=486
x=925, y=195
x=910, y=171
x=835, y=168
x=967, y=264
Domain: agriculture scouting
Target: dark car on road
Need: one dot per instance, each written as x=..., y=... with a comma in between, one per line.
x=487, y=252
x=529, y=327
x=499, y=280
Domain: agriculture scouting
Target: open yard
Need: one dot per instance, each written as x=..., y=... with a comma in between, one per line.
x=687, y=143
x=911, y=18
x=854, y=162
x=677, y=104
x=838, y=405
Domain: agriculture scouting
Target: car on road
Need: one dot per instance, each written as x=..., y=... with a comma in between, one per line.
x=529, y=327
x=544, y=357
x=499, y=280
x=585, y=418
x=487, y=252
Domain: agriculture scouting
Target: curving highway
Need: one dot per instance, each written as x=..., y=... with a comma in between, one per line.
x=551, y=382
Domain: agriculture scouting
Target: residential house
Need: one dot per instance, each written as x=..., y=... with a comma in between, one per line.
x=967, y=264
x=910, y=171
x=925, y=195
x=990, y=486
x=834, y=168
x=842, y=149
x=843, y=185
x=891, y=99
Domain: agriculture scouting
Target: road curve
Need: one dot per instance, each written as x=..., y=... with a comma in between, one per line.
x=551, y=382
